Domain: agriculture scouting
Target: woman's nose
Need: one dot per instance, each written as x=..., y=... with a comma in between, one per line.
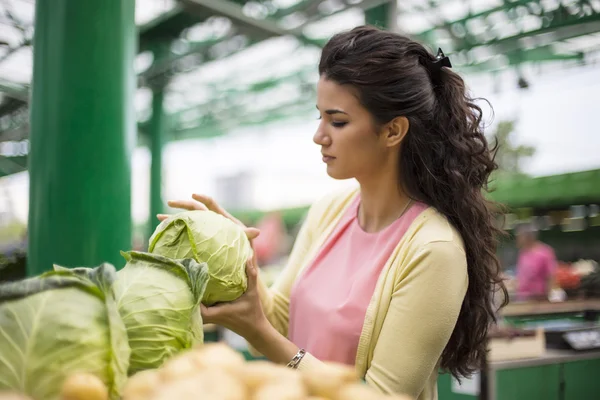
x=321, y=138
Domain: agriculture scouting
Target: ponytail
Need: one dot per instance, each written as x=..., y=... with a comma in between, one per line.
x=452, y=177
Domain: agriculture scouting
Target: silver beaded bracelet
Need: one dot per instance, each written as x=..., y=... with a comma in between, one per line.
x=293, y=364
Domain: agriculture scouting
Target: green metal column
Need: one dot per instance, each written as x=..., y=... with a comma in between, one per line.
x=82, y=133
x=156, y=135
x=157, y=132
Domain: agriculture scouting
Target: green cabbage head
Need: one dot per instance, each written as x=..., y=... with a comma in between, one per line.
x=59, y=323
x=211, y=238
x=158, y=300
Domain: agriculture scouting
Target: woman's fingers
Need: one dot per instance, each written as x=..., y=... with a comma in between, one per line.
x=252, y=233
x=186, y=205
x=212, y=205
x=252, y=273
x=162, y=217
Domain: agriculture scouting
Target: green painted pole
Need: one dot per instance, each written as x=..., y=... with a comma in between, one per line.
x=157, y=134
x=82, y=133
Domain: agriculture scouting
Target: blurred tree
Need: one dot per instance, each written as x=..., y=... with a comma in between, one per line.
x=509, y=155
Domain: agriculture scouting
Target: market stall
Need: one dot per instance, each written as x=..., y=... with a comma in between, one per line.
x=543, y=351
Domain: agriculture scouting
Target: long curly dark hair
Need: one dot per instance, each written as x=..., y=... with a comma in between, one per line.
x=445, y=161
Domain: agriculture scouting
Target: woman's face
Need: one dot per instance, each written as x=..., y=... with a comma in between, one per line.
x=350, y=145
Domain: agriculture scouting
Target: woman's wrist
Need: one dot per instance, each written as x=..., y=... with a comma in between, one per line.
x=272, y=344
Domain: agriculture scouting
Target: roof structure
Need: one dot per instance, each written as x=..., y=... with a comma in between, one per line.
x=232, y=63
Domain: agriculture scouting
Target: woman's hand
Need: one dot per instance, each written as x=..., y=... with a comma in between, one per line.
x=202, y=202
x=243, y=316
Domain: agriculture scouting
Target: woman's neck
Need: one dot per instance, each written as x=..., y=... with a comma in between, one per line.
x=381, y=202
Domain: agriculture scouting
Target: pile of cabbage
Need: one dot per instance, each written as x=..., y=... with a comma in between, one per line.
x=112, y=324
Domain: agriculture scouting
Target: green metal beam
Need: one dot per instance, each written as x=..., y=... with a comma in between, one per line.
x=12, y=165
x=164, y=27
x=536, y=55
x=301, y=6
x=168, y=65
x=229, y=98
x=580, y=13
x=209, y=128
x=257, y=29
x=15, y=90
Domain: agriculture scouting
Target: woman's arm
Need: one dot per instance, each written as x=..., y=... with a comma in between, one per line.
x=421, y=317
x=246, y=317
x=276, y=299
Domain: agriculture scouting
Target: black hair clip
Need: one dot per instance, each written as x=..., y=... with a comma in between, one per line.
x=435, y=67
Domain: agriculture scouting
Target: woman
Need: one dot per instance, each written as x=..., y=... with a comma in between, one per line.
x=396, y=277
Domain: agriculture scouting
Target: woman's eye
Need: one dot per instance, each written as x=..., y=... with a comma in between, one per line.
x=338, y=124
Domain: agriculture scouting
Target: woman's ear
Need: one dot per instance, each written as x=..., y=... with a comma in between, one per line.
x=396, y=131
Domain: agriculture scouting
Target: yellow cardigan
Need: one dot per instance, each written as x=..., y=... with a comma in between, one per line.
x=413, y=310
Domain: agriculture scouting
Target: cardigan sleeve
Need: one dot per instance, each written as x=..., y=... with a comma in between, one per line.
x=423, y=311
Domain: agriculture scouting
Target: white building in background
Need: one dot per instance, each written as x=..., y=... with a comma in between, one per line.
x=236, y=191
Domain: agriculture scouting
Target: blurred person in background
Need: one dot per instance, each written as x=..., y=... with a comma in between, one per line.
x=395, y=277
x=269, y=244
x=536, y=264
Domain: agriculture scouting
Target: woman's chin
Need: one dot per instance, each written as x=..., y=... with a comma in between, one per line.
x=338, y=175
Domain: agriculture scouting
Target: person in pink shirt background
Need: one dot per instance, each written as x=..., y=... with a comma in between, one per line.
x=535, y=265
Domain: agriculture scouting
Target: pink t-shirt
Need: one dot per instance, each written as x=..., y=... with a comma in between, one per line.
x=328, y=302
x=535, y=266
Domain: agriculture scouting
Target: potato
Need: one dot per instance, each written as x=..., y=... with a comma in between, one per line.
x=327, y=380
x=258, y=373
x=13, y=396
x=141, y=385
x=206, y=384
x=179, y=367
x=82, y=386
x=281, y=391
x=218, y=355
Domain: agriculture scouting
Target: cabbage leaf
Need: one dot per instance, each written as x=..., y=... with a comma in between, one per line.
x=59, y=323
x=158, y=299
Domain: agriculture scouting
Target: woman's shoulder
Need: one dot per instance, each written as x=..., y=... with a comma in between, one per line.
x=433, y=247
x=432, y=229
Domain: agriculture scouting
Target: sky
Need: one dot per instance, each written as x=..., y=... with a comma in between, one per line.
x=558, y=115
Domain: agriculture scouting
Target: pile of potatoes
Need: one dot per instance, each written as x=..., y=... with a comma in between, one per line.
x=217, y=372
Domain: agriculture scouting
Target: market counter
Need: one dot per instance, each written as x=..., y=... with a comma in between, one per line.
x=527, y=367
x=556, y=375
x=537, y=308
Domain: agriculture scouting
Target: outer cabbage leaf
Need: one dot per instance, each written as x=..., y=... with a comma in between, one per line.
x=211, y=238
x=158, y=300
x=58, y=323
